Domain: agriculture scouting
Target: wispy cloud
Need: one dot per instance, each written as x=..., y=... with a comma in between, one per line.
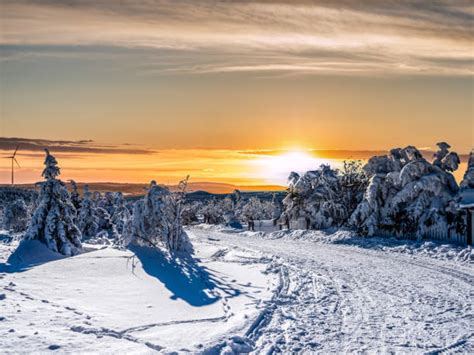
x=68, y=146
x=340, y=36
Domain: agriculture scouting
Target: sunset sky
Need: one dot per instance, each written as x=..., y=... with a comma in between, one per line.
x=229, y=91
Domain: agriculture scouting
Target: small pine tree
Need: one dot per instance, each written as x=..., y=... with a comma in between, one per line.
x=87, y=221
x=53, y=221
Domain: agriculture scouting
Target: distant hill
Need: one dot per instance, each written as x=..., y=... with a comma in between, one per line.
x=139, y=189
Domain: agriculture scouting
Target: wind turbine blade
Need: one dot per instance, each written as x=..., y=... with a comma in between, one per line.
x=16, y=149
x=16, y=161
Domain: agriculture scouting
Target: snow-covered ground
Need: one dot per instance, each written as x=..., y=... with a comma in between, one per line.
x=281, y=292
x=114, y=301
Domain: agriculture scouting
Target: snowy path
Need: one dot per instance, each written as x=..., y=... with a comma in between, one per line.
x=336, y=298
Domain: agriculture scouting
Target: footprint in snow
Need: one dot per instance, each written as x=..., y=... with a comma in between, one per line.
x=54, y=347
x=2, y=296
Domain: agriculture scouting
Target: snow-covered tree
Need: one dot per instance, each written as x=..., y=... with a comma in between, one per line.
x=251, y=211
x=212, y=212
x=16, y=216
x=75, y=198
x=191, y=212
x=88, y=221
x=120, y=213
x=106, y=226
x=107, y=202
x=276, y=209
x=468, y=179
x=407, y=194
x=157, y=219
x=53, y=221
x=324, y=197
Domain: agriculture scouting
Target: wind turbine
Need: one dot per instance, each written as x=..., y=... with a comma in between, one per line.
x=14, y=161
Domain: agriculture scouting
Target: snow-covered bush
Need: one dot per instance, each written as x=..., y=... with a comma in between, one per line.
x=157, y=220
x=53, y=221
x=406, y=194
x=16, y=216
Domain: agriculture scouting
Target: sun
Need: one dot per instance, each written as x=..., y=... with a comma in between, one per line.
x=276, y=168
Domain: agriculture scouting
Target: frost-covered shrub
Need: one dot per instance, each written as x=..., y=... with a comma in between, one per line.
x=407, y=194
x=157, y=220
x=16, y=216
x=53, y=221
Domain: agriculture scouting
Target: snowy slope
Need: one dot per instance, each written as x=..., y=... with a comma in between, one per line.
x=112, y=301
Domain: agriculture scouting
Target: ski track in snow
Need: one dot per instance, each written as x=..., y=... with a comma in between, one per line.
x=340, y=299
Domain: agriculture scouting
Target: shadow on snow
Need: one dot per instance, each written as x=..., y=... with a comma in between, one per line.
x=183, y=276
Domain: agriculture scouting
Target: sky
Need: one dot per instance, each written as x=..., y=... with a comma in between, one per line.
x=136, y=90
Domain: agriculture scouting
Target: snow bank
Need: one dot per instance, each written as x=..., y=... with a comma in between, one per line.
x=28, y=254
x=430, y=249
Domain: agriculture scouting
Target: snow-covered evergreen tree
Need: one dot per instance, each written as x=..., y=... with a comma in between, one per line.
x=106, y=226
x=75, y=198
x=120, y=214
x=53, y=221
x=88, y=221
x=107, y=202
x=16, y=216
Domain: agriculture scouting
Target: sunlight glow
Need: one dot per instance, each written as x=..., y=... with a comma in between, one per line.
x=276, y=168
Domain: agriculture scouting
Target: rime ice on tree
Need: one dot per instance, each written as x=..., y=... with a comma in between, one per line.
x=324, y=197
x=53, y=221
x=407, y=194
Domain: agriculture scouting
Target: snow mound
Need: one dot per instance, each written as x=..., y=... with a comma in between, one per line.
x=30, y=253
